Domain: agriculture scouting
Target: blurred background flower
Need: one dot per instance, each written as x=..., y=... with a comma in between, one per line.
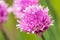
x=3, y=11
x=20, y=5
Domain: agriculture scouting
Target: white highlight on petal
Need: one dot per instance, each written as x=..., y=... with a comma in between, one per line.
x=17, y=28
x=33, y=32
x=47, y=9
x=18, y=21
x=17, y=25
x=40, y=6
x=52, y=22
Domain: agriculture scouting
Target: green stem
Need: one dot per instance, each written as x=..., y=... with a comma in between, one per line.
x=40, y=35
x=3, y=31
x=43, y=38
x=5, y=36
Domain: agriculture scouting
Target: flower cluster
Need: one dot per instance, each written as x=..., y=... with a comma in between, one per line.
x=32, y=17
x=35, y=19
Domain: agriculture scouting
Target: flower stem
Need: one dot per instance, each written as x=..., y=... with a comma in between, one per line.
x=3, y=31
x=40, y=35
x=43, y=37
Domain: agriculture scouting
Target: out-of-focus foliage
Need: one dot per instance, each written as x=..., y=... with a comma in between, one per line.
x=53, y=33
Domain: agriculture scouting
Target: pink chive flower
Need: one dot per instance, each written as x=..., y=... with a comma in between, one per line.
x=19, y=5
x=34, y=19
x=3, y=11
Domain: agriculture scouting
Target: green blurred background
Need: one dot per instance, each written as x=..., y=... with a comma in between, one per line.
x=53, y=33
